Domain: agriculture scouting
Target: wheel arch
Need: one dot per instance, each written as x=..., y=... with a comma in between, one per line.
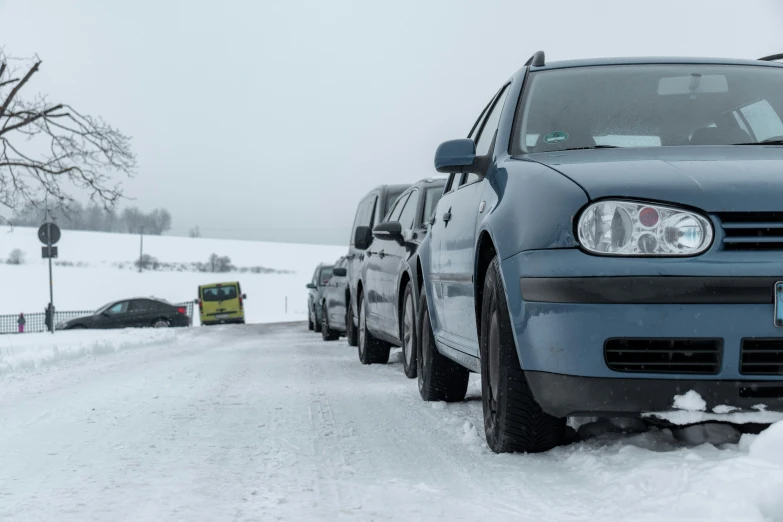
x=485, y=252
x=404, y=280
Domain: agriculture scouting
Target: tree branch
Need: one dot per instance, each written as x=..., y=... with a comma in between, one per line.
x=18, y=87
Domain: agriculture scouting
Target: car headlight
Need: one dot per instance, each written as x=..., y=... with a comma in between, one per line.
x=629, y=228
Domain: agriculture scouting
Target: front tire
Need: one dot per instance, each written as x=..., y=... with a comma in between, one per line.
x=327, y=334
x=440, y=378
x=371, y=350
x=316, y=322
x=351, y=332
x=513, y=420
x=408, y=333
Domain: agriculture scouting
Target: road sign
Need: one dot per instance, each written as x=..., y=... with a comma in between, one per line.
x=43, y=234
x=46, y=254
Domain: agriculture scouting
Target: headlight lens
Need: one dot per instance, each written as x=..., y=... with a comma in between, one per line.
x=628, y=228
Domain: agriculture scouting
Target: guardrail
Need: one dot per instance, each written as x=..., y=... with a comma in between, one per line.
x=36, y=323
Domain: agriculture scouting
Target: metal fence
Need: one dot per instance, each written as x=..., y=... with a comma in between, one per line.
x=36, y=323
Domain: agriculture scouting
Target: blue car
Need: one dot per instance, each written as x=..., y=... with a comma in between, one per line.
x=610, y=237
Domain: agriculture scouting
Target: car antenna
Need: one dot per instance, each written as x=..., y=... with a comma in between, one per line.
x=537, y=60
x=772, y=58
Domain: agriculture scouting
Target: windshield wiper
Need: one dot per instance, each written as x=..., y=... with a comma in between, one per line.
x=770, y=141
x=591, y=147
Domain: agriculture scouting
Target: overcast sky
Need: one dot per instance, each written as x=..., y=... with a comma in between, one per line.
x=270, y=120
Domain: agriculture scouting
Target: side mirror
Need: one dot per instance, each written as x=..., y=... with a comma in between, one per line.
x=244, y=296
x=195, y=301
x=340, y=272
x=311, y=286
x=362, y=238
x=388, y=230
x=455, y=156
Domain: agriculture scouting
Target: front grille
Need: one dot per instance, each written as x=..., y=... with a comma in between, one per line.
x=752, y=230
x=695, y=356
x=762, y=357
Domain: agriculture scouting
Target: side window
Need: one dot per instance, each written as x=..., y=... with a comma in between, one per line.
x=119, y=308
x=451, y=184
x=491, y=125
x=369, y=219
x=363, y=218
x=326, y=275
x=409, y=211
x=763, y=120
x=431, y=197
x=469, y=178
x=394, y=215
x=137, y=305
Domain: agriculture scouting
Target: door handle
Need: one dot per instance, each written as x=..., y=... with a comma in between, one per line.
x=361, y=257
x=381, y=254
x=447, y=217
x=369, y=254
x=349, y=257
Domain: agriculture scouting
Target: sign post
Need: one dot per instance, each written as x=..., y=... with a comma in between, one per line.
x=49, y=234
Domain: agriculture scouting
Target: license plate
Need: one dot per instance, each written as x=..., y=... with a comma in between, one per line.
x=779, y=304
x=221, y=316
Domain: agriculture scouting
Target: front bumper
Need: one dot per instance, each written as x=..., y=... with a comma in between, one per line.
x=565, y=305
x=564, y=395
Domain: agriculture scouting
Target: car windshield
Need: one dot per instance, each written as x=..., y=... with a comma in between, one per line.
x=649, y=106
x=219, y=293
x=105, y=307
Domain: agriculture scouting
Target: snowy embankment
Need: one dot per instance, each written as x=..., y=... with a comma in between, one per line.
x=88, y=274
x=35, y=351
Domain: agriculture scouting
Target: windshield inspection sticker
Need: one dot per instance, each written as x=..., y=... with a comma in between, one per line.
x=556, y=137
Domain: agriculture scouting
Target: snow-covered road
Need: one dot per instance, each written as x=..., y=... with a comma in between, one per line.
x=271, y=423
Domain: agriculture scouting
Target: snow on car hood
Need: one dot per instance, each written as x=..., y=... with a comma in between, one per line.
x=714, y=179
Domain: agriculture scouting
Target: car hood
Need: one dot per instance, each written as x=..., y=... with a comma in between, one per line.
x=714, y=179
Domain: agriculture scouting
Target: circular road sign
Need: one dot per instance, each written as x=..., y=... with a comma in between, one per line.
x=43, y=233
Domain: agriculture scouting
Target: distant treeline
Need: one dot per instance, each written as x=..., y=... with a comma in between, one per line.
x=96, y=218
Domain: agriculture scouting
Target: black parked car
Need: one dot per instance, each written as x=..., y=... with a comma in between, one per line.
x=334, y=313
x=388, y=284
x=316, y=287
x=370, y=211
x=132, y=313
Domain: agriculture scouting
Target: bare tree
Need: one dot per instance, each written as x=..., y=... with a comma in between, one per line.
x=45, y=146
x=195, y=232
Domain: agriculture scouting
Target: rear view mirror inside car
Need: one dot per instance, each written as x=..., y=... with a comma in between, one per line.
x=693, y=84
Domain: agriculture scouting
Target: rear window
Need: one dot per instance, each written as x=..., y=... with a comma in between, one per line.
x=219, y=293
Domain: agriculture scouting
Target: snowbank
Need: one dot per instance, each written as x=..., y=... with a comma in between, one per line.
x=690, y=407
x=31, y=351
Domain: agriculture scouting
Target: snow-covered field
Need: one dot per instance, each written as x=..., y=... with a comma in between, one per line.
x=99, y=281
x=267, y=422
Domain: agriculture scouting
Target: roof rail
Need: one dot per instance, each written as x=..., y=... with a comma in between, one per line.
x=537, y=60
x=772, y=57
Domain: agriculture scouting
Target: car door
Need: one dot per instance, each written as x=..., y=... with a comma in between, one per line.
x=335, y=298
x=376, y=279
x=395, y=253
x=116, y=316
x=356, y=256
x=459, y=215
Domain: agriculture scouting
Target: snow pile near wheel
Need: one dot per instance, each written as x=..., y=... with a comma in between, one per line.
x=30, y=351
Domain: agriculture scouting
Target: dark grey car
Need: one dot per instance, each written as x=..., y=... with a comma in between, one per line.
x=370, y=211
x=334, y=311
x=389, y=300
x=316, y=287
